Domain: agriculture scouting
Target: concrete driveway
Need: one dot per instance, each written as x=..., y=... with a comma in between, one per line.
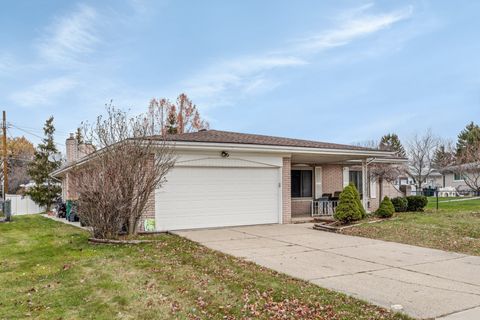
x=426, y=283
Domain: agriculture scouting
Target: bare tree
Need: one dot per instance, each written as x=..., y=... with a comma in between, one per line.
x=468, y=166
x=382, y=172
x=117, y=181
x=385, y=172
x=421, y=152
x=179, y=117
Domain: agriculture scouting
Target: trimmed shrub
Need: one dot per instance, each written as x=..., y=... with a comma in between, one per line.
x=359, y=202
x=348, y=209
x=386, y=208
x=400, y=204
x=416, y=203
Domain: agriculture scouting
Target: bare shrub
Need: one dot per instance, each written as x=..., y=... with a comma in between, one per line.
x=114, y=184
x=469, y=166
x=421, y=154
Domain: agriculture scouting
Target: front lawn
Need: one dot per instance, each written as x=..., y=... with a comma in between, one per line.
x=49, y=271
x=455, y=227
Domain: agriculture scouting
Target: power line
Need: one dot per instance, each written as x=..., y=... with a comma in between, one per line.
x=38, y=130
x=31, y=133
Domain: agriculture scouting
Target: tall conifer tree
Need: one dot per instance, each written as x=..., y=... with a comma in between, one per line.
x=46, y=189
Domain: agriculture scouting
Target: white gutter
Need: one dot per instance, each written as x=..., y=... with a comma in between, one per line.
x=277, y=149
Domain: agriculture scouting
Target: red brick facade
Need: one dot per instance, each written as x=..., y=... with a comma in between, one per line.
x=148, y=213
x=286, y=191
x=301, y=207
x=332, y=178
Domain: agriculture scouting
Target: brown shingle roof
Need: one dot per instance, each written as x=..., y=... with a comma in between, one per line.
x=216, y=136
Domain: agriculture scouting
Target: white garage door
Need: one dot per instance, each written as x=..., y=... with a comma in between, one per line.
x=205, y=197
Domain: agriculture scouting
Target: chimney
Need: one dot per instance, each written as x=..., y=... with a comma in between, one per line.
x=85, y=149
x=72, y=148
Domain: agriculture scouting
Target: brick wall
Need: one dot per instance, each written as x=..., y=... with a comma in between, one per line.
x=70, y=185
x=286, y=190
x=148, y=212
x=332, y=178
x=301, y=207
x=390, y=190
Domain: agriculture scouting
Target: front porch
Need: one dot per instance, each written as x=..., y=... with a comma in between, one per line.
x=316, y=184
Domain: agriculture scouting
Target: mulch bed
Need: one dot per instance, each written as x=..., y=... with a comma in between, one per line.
x=335, y=226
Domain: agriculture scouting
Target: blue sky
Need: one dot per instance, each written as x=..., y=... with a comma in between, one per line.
x=339, y=71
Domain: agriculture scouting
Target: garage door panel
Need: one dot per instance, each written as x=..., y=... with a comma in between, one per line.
x=212, y=197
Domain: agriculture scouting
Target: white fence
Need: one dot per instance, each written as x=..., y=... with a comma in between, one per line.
x=23, y=205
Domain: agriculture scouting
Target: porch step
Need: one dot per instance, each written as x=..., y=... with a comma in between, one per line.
x=324, y=219
x=303, y=219
x=325, y=227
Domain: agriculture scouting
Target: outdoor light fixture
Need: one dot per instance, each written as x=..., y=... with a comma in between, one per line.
x=225, y=154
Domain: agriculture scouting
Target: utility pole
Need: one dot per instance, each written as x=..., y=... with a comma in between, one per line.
x=5, y=168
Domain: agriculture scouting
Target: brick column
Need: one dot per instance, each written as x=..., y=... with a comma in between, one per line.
x=286, y=191
x=148, y=213
x=149, y=210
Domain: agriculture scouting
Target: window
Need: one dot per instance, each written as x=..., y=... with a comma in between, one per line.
x=301, y=183
x=458, y=177
x=356, y=180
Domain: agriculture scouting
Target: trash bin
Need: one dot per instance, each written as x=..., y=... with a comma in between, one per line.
x=69, y=209
x=429, y=192
x=7, y=209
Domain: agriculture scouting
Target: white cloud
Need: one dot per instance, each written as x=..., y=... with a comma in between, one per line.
x=70, y=37
x=237, y=74
x=43, y=92
x=247, y=75
x=64, y=45
x=350, y=29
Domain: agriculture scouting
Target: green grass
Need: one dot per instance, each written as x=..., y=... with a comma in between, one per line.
x=48, y=270
x=444, y=199
x=454, y=227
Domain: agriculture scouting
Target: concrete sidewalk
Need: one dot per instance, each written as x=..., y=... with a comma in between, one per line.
x=424, y=283
x=62, y=220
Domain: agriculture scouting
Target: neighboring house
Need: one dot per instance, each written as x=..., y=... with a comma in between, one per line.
x=229, y=179
x=453, y=180
x=448, y=182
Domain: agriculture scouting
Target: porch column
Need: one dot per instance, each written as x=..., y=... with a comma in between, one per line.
x=286, y=190
x=364, y=184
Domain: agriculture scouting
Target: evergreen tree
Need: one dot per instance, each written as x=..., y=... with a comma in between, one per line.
x=470, y=136
x=79, y=136
x=386, y=208
x=348, y=207
x=443, y=158
x=46, y=189
x=363, y=212
x=172, y=124
x=391, y=142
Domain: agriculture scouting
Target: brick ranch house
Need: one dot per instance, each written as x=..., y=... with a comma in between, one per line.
x=225, y=178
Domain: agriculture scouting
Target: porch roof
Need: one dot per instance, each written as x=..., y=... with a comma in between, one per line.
x=356, y=158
